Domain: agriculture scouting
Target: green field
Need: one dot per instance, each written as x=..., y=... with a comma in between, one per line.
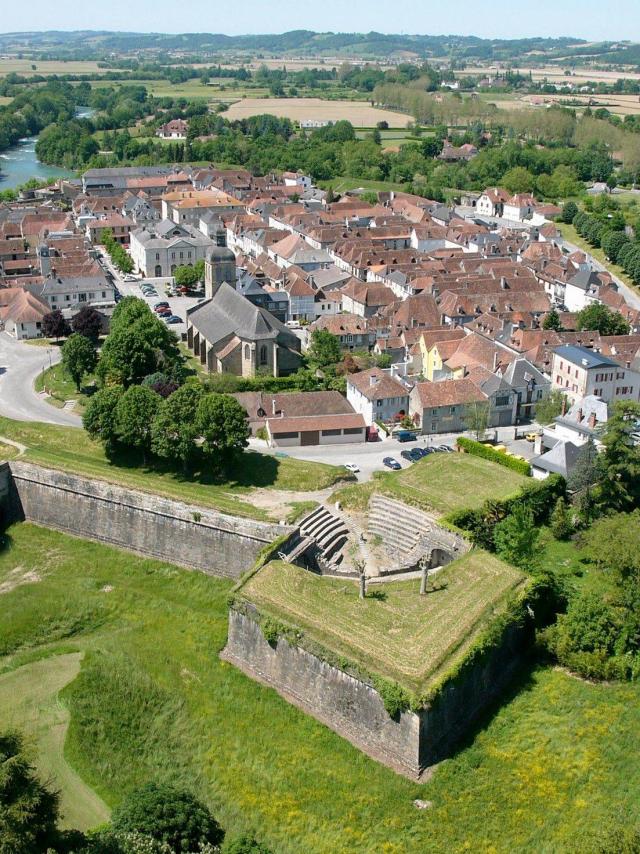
x=394, y=632
x=440, y=482
x=61, y=388
x=71, y=449
x=547, y=772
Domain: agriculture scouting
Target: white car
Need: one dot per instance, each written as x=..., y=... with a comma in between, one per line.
x=130, y=278
x=352, y=467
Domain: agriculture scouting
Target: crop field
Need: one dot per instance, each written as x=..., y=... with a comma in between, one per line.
x=394, y=632
x=554, y=73
x=440, y=483
x=70, y=449
x=29, y=67
x=359, y=113
x=551, y=770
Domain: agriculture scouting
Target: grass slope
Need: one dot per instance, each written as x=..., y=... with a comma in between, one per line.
x=30, y=701
x=61, y=388
x=72, y=450
x=440, y=482
x=394, y=632
x=153, y=701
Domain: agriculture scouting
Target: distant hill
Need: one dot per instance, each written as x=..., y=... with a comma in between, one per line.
x=92, y=44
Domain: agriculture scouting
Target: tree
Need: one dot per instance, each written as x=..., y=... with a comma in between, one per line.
x=550, y=406
x=612, y=243
x=222, y=423
x=516, y=537
x=583, y=477
x=127, y=357
x=168, y=815
x=160, y=383
x=560, y=523
x=54, y=325
x=88, y=322
x=476, y=418
x=28, y=808
x=569, y=212
x=518, y=180
x=600, y=318
x=135, y=413
x=79, y=357
x=619, y=487
x=174, y=431
x=552, y=321
x=99, y=419
x=324, y=348
x=613, y=545
x=186, y=277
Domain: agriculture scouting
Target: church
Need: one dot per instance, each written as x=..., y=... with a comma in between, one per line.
x=231, y=335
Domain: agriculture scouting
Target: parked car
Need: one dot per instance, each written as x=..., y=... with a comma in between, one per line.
x=392, y=464
x=165, y=312
x=405, y=436
x=531, y=437
x=162, y=304
x=408, y=456
x=173, y=319
x=130, y=278
x=446, y=448
x=417, y=454
x=352, y=467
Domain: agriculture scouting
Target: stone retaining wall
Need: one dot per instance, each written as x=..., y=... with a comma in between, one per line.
x=187, y=535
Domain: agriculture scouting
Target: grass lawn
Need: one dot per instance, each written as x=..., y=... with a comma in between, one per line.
x=569, y=233
x=441, y=483
x=395, y=632
x=152, y=701
x=61, y=388
x=30, y=701
x=7, y=452
x=344, y=185
x=72, y=450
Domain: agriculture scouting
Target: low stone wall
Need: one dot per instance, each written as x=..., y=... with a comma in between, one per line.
x=188, y=535
x=409, y=743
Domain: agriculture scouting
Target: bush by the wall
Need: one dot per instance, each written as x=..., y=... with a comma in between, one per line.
x=478, y=449
x=539, y=496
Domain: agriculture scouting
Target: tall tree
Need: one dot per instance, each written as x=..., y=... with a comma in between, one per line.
x=223, y=425
x=324, y=348
x=88, y=322
x=79, y=357
x=135, y=413
x=28, y=808
x=619, y=487
x=600, y=318
x=552, y=321
x=550, y=406
x=476, y=418
x=174, y=431
x=516, y=537
x=54, y=325
x=99, y=419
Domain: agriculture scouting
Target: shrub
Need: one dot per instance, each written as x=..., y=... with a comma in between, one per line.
x=561, y=526
x=477, y=449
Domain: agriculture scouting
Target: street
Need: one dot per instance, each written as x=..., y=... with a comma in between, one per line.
x=20, y=364
x=368, y=456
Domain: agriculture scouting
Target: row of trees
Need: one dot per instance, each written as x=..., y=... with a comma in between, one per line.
x=118, y=254
x=607, y=230
x=153, y=819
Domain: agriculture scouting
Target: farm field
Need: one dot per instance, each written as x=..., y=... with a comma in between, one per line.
x=359, y=113
x=44, y=66
x=551, y=770
x=71, y=449
x=440, y=482
x=554, y=73
x=394, y=632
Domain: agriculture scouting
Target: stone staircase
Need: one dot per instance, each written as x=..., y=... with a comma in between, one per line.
x=322, y=536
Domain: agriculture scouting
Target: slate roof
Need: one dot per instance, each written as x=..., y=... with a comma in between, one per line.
x=559, y=460
x=583, y=357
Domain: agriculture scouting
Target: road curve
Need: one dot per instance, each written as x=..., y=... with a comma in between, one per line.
x=20, y=364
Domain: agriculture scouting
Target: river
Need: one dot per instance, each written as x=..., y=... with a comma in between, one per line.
x=19, y=163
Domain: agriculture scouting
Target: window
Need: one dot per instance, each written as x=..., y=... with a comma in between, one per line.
x=452, y=410
x=263, y=354
x=67, y=297
x=173, y=255
x=247, y=352
x=331, y=432
x=503, y=401
x=285, y=435
x=352, y=431
x=378, y=403
x=434, y=426
x=157, y=256
x=104, y=294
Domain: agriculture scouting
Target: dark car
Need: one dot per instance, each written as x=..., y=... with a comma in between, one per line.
x=408, y=456
x=163, y=304
x=390, y=463
x=174, y=319
x=405, y=436
x=417, y=454
x=165, y=312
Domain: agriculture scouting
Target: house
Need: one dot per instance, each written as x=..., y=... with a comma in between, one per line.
x=443, y=407
x=22, y=316
x=561, y=459
x=579, y=372
x=70, y=293
x=274, y=301
x=519, y=207
x=529, y=385
x=453, y=154
x=377, y=396
x=352, y=331
x=175, y=129
x=364, y=298
x=231, y=335
x=492, y=202
x=261, y=405
x=188, y=207
x=297, y=179
x=120, y=227
x=582, y=290
x=157, y=249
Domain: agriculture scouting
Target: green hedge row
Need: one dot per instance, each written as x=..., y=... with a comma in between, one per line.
x=539, y=496
x=478, y=449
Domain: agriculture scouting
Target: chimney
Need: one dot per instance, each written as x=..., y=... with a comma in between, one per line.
x=580, y=416
x=373, y=380
x=592, y=420
x=273, y=406
x=495, y=361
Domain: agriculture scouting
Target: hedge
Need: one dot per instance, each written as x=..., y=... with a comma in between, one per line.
x=477, y=449
x=539, y=496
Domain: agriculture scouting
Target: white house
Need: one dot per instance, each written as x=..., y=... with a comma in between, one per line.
x=519, y=207
x=377, y=396
x=492, y=202
x=579, y=372
x=157, y=249
x=297, y=179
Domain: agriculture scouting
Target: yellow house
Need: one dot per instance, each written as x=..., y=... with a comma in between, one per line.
x=436, y=346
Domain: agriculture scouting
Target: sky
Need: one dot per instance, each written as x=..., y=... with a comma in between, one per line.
x=595, y=20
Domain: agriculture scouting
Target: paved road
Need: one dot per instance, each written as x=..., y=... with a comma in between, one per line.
x=20, y=364
x=368, y=456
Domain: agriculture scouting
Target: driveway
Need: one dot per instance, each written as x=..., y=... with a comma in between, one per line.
x=20, y=364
